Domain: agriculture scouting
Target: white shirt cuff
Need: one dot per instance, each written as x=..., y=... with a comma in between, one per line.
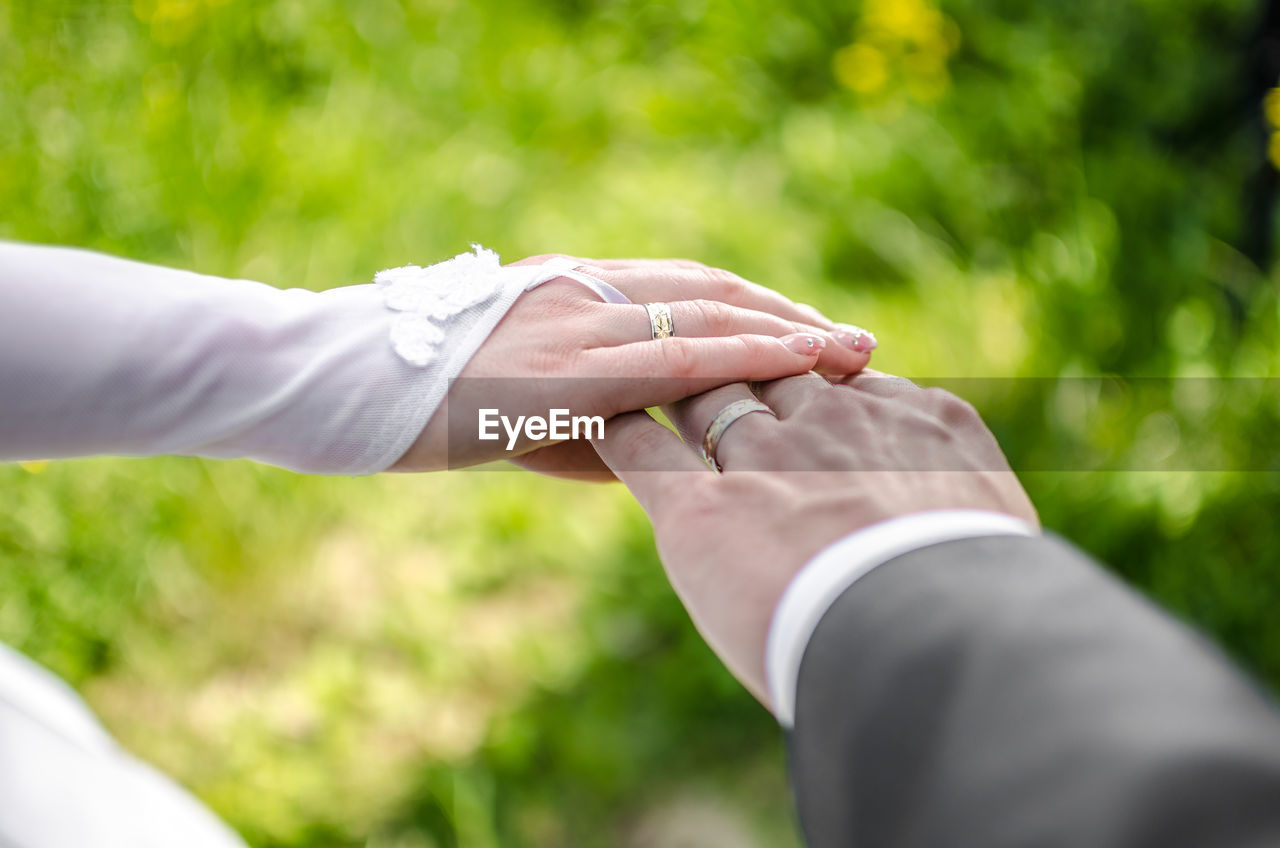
x=837, y=567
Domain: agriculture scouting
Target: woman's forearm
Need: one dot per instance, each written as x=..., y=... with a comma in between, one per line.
x=100, y=355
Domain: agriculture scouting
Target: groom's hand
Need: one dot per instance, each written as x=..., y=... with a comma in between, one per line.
x=836, y=458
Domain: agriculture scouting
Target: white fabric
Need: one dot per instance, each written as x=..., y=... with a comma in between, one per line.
x=838, y=566
x=437, y=302
x=100, y=355
x=65, y=784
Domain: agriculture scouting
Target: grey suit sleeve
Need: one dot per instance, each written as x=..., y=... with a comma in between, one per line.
x=1007, y=692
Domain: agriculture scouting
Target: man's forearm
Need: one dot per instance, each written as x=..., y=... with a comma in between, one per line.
x=1005, y=691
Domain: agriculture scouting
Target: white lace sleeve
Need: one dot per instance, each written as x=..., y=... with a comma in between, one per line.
x=105, y=356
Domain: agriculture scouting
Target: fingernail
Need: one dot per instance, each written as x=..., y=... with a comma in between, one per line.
x=863, y=341
x=806, y=343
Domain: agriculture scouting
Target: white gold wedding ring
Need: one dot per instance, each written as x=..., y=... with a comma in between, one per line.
x=722, y=421
x=660, y=323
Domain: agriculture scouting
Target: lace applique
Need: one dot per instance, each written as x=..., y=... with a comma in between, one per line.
x=428, y=298
x=459, y=294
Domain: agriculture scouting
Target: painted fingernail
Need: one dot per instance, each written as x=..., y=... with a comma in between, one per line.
x=806, y=343
x=863, y=341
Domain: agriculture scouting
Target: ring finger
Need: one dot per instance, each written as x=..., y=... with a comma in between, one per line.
x=694, y=416
x=667, y=281
x=627, y=323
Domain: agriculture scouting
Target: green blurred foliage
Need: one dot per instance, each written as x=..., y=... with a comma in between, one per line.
x=998, y=189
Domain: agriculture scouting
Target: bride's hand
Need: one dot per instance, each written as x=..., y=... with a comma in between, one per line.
x=561, y=347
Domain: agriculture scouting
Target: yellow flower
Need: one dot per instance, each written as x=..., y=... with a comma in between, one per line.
x=861, y=67
x=1271, y=105
x=907, y=42
x=903, y=20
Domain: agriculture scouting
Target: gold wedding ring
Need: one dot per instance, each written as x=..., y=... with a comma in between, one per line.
x=660, y=322
x=723, y=419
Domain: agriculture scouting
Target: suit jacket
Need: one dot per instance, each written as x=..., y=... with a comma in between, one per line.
x=1005, y=691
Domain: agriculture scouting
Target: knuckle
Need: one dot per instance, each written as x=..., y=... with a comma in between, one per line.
x=951, y=408
x=595, y=322
x=749, y=351
x=888, y=386
x=937, y=430
x=829, y=453
x=722, y=284
x=716, y=317
x=676, y=358
x=835, y=405
x=590, y=314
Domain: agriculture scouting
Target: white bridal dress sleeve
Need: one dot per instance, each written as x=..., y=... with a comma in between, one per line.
x=100, y=355
x=104, y=356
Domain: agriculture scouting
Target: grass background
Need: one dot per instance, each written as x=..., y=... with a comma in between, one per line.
x=1002, y=189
